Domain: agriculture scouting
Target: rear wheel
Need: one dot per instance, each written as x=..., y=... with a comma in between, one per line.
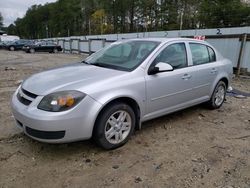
x=55, y=50
x=32, y=50
x=12, y=48
x=114, y=126
x=218, y=96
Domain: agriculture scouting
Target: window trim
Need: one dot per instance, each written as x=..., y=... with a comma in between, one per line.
x=209, y=54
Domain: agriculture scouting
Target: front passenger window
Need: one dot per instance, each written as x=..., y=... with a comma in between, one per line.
x=174, y=54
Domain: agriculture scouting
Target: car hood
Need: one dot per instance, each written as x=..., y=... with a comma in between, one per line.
x=70, y=77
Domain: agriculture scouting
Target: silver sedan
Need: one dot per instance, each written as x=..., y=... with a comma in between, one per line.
x=108, y=95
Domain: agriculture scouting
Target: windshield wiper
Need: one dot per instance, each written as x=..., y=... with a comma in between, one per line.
x=100, y=64
x=85, y=62
x=95, y=64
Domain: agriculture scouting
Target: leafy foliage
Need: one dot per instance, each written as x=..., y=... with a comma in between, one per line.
x=83, y=17
x=1, y=20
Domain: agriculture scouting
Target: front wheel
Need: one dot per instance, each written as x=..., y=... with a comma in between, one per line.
x=114, y=126
x=32, y=50
x=55, y=50
x=218, y=96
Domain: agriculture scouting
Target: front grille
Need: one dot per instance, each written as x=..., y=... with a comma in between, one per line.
x=25, y=97
x=23, y=100
x=50, y=135
x=29, y=94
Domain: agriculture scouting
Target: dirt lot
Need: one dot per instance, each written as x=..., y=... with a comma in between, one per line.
x=192, y=148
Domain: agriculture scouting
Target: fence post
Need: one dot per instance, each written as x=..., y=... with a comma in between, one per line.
x=103, y=42
x=70, y=45
x=63, y=45
x=242, y=49
x=79, y=47
x=89, y=42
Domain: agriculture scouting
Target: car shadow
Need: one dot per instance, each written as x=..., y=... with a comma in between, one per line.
x=191, y=111
x=88, y=147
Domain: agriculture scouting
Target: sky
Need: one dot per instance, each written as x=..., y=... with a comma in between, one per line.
x=12, y=9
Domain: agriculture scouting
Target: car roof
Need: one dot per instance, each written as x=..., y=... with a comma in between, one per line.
x=165, y=40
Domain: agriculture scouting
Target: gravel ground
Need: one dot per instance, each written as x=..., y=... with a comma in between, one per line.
x=196, y=147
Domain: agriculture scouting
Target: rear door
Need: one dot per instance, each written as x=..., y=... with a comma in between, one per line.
x=50, y=46
x=38, y=46
x=206, y=68
x=41, y=47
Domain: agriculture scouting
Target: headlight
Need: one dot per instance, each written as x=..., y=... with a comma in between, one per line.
x=60, y=101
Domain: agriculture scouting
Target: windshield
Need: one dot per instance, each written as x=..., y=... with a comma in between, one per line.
x=123, y=55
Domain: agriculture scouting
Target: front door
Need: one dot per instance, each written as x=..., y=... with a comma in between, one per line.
x=170, y=91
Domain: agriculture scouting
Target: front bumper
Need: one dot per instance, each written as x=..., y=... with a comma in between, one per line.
x=56, y=127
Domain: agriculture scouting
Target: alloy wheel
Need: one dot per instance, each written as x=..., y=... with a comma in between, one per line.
x=118, y=127
x=219, y=95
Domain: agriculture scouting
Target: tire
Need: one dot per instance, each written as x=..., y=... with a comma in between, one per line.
x=12, y=48
x=55, y=50
x=218, y=96
x=32, y=50
x=114, y=126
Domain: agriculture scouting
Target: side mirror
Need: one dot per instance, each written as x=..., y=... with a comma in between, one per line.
x=160, y=67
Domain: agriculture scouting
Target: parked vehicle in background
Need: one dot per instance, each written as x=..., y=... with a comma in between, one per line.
x=4, y=38
x=18, y=45
x=2, y=45
x=42, y=46
x=110, y=93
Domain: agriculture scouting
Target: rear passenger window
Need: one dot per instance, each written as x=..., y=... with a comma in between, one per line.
x=200, y=54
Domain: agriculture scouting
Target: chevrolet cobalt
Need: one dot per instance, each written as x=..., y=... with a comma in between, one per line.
x=109, y=94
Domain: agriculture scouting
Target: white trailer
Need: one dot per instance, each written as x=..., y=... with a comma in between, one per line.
x=6, y=37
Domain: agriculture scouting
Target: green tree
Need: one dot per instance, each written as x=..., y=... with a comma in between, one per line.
x=1, y=20
x=85, y=17
x=11, y=29
x=223, y=13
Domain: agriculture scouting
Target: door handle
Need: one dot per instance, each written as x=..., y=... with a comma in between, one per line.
x=186, y=76
x=213, y=71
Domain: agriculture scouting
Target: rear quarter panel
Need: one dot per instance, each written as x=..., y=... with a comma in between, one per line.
x=225, y=70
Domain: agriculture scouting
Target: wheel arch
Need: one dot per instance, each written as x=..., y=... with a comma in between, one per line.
x=226, y=81
x=223, y=78
x=127, y=100
x=11, y=47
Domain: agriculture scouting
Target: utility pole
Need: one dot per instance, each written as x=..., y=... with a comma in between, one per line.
x=47, y=31
x=181, y=23
x=82, y=12
x=89, y=27
x=114, y=17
